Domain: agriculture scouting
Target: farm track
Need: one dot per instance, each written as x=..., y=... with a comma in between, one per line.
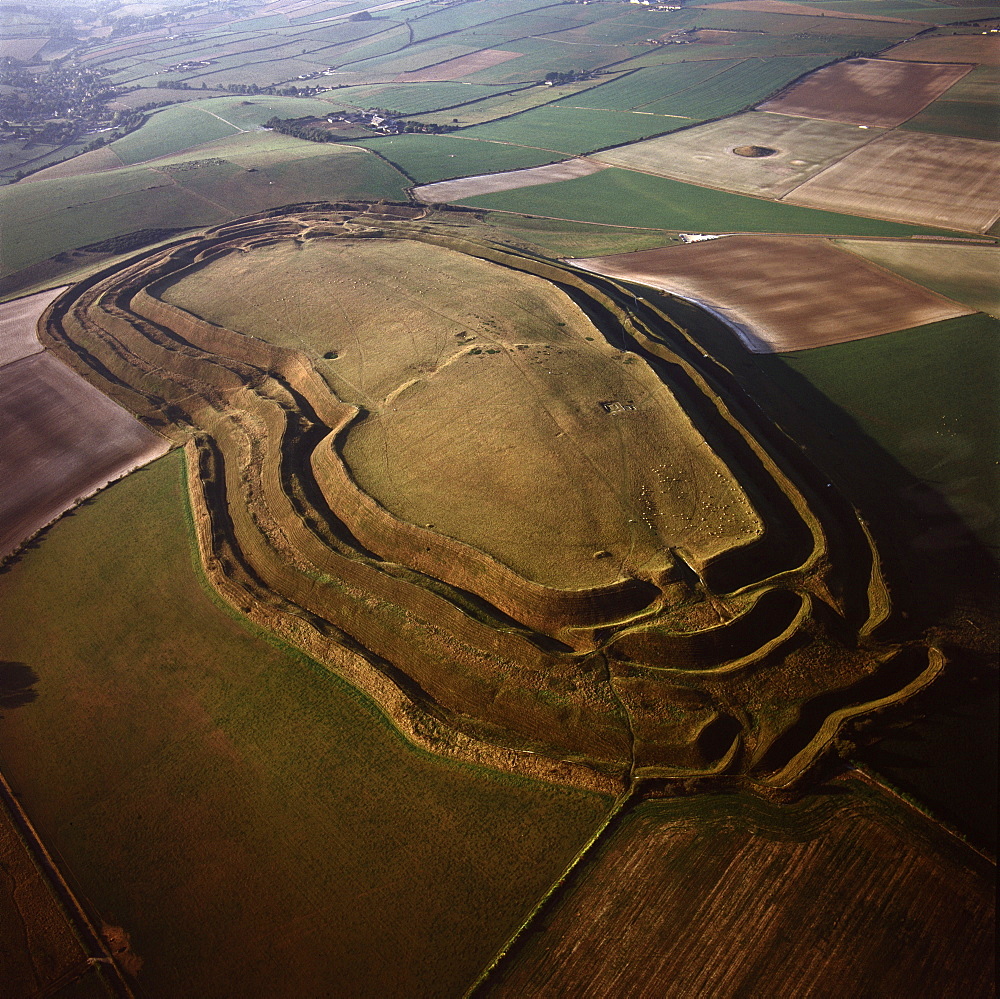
x=466, y=657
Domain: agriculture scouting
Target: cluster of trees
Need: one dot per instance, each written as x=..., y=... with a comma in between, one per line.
x=569, y=76
x=253, y=89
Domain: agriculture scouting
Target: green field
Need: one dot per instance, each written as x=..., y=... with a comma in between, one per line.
x=428, y=158
x=170, y=131
x=507, y=102
x=927, y=397
x=573, y=130
x=967, y=274
x=647, y=86
x=260, y=799
x=741, y=86
x=779, y=25
x=235, y=176
x=963, y=118
x=621, y=197
x=413, y=98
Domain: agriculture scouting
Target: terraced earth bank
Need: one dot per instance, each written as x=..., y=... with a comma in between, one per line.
x=517, y=506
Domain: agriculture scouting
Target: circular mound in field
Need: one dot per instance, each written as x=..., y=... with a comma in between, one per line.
x=754, y=152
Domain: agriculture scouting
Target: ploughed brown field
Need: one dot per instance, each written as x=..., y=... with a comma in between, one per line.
x=982, y=49
x=455, y=69
x=60, y=441
x=42, y=953
x=915, y=177
x=780, y=7
x=847, y=893
x=879, y=92
x=18, y=319
x=783, y=293
x=510, y=180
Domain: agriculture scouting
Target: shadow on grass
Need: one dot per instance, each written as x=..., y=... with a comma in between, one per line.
x=943, y=581
x=17, y=682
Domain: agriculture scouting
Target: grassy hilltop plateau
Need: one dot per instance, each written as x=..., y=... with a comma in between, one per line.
x=500, y=498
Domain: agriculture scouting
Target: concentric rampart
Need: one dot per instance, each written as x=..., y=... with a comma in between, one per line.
x=741, y=666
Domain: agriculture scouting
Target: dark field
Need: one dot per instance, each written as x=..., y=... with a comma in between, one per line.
x=847, y=887
x=261, y=799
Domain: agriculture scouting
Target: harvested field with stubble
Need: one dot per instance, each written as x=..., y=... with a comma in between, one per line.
x=60, y=441
x=871, y=92
x=511, y=180
x=704, y=155
x=480, y=376
x=725, y=896
x=937, y=180
x=783, y=293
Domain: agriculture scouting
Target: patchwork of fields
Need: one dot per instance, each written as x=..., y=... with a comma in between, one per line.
x=879, y=92
x=798, y=148
x=529, y=567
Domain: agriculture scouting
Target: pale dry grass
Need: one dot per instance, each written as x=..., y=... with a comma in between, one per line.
x=704, y=155
x=498, y=412
x=510, y=180
x=455, y=69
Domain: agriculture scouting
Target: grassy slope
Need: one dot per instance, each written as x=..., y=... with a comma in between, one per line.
x=254, y=823
x=234, y=177
x=620, y=197
x=428, y=158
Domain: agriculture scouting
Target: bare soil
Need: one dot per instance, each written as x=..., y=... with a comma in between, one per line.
x=783, y=293
x=981, y=49
x=870, y=92
x=728, y=898
x=510, y=180
x=18, y=320
x=455, y=69
x=60, y=441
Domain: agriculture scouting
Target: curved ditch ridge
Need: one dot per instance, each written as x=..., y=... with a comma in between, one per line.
x=736, y=661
